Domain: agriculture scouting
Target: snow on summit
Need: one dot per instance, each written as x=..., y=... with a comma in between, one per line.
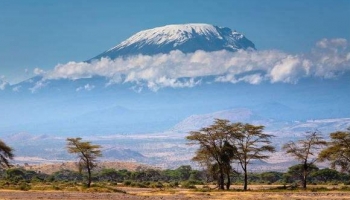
x=171, y=33
x=183, y=37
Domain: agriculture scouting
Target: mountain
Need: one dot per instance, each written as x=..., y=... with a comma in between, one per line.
x=183, y=37
x=196, y=122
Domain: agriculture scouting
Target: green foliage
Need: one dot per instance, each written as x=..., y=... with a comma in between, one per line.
x=157, y=185
x=15, y=175
x=24, y=186
x=271, y=177
x=174, y=184
x=65, y=175
x=20, y=179
x=338, y=151
x=326, y=175
x=295, y=173
x=6, y=154
x=110, y=175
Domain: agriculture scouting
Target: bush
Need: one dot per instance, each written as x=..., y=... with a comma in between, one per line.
x=345, y=188
x=141, y=185
x=56, y=187
x=24, y=186
x=157, y=185
x=174, y=184
x=188, y=184
x=127, y=183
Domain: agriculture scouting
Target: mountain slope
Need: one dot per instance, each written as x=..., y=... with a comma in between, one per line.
x=186, y=38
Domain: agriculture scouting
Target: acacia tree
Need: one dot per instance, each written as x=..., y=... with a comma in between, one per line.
x=214, y=151
x=306, y=151
x=87, y=154
x=5, y=155
x=250, y=144
x=338, y=151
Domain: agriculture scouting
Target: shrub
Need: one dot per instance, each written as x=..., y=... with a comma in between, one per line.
x=188, y=184
x=127, y=183
x=157, y=185
x=24, y=186
x=174, y=184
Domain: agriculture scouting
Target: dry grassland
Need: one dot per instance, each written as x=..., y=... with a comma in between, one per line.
x=175, y=194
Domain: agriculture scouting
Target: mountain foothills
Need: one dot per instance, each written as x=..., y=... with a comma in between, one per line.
x=146, y=93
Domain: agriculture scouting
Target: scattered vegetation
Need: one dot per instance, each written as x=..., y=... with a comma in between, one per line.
x=220, y=145
x=111, y=180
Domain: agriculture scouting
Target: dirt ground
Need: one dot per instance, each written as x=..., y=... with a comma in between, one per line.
x=138, y=194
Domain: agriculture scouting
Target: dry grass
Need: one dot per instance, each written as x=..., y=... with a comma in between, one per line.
x=257, y=192
x=172, y=195
x=240, y=195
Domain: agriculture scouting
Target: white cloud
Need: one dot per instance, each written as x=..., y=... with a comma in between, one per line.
x=16, y=88
x=332, y=43
x=287, y=70
x=329, y=58
x=38, y=71
x=86, y=87
x=252, y=79
x=38, y=85
x=3, y=83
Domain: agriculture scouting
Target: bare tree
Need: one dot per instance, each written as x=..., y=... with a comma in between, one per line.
x=306, y=151
x=87, y=154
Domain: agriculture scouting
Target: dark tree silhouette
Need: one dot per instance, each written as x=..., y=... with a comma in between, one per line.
x=6, y=154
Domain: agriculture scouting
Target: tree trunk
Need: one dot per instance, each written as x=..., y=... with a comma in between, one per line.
x=245, y=188
x=305, y=175
x=228, y=184
x=89, y=177
x=221, y=180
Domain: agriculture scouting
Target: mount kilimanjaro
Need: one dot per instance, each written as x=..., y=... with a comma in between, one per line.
x=186, y=38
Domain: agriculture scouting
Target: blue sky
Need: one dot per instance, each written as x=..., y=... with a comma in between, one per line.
x=45, y=33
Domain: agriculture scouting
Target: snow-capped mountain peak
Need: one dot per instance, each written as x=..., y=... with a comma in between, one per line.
x=170, y=33
x=183, y=37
